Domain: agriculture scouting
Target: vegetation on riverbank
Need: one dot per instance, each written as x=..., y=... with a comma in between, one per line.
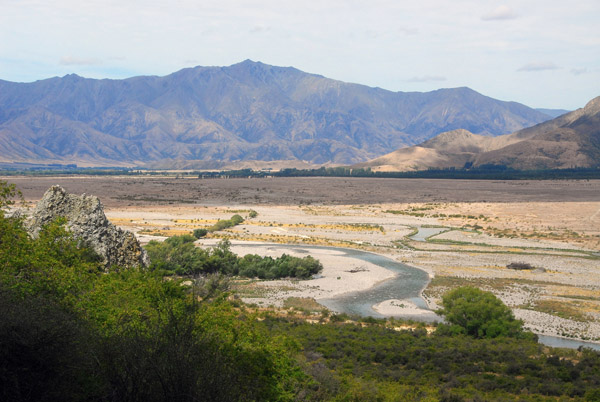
x=71, y=332
x=179, y=255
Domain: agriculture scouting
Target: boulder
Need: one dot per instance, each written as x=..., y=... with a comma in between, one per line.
x=87, y=222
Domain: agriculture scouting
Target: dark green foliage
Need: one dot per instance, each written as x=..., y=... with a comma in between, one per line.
x=7, y=194
x=198, y=233
x=286, y=266
x=42, y=357
x=484, y=172
x=479, y=314
x=179, y=255
x=52, y=265
x=354, y=360
x=184, y=359
x=226, y=223
x=236, y=219
x=70, y=332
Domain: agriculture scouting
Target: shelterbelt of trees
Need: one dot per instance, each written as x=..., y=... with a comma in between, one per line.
x=483, y=172
x=70, y=331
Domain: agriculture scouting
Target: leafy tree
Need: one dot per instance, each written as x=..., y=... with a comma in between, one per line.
x=8, y=192
x=198, y=233
x=70, y=332
x=479, y=314
x=179, y=255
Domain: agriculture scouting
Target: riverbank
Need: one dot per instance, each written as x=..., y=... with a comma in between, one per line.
x=341, y=273
x=340, y=288
x=552, y=226
x=404, y=308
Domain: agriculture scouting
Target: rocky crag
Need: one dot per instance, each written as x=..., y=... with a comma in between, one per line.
x=87, y=222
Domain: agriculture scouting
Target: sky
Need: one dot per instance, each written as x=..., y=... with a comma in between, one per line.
x=543, y=53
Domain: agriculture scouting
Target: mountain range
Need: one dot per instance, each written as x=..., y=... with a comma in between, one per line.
x=249, y=111
x=570, y=140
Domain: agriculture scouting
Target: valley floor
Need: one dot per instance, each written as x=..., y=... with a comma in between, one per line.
x=552, y=227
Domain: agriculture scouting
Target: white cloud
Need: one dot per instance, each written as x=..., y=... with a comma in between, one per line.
x=77, y=61
x=579, y=71
x=427, y=78
x=260, y=29
x=408, y=31
x=380, y=43
x=539, y=66
x=500, y=13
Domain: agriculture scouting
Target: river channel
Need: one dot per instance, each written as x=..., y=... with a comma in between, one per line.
x=408, y=284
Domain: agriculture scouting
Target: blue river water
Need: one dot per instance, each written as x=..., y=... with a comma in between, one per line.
x=407, y=285
x=424, y=233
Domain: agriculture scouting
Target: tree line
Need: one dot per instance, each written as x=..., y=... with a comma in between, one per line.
x=179, y=255
x=484, y=172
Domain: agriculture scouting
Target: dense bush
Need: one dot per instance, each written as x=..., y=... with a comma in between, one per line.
x=198, y=233
x=226, y=223
x=179, y=255
x=479, y=314
x=375, y=362
x=70, y=332
x=252, y=265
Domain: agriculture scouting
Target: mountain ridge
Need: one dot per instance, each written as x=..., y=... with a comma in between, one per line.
x=247, y=111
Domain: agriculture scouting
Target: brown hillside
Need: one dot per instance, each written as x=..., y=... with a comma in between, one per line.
x=571, y=140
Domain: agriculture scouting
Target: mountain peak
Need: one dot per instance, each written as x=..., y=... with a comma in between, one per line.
x=248, y=62
x=73, y=77
x=252, y=65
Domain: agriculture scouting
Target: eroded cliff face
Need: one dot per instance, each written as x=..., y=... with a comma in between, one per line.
x=87, y=222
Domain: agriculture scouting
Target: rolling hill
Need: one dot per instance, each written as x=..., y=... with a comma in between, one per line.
x=570, y=140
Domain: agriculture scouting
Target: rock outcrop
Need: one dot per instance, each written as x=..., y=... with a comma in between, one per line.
x=87, y=222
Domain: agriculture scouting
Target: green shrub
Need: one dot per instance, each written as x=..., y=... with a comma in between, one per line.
x=236, y=219
x=198, y=233
x=479, y=314
x=226, y=223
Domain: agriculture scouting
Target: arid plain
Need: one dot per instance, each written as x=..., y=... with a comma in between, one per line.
x=474, y=231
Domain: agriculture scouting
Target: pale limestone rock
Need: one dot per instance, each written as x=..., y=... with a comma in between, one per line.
x=87, y=222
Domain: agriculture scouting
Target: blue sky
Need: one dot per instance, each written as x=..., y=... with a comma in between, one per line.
x=543, y=53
